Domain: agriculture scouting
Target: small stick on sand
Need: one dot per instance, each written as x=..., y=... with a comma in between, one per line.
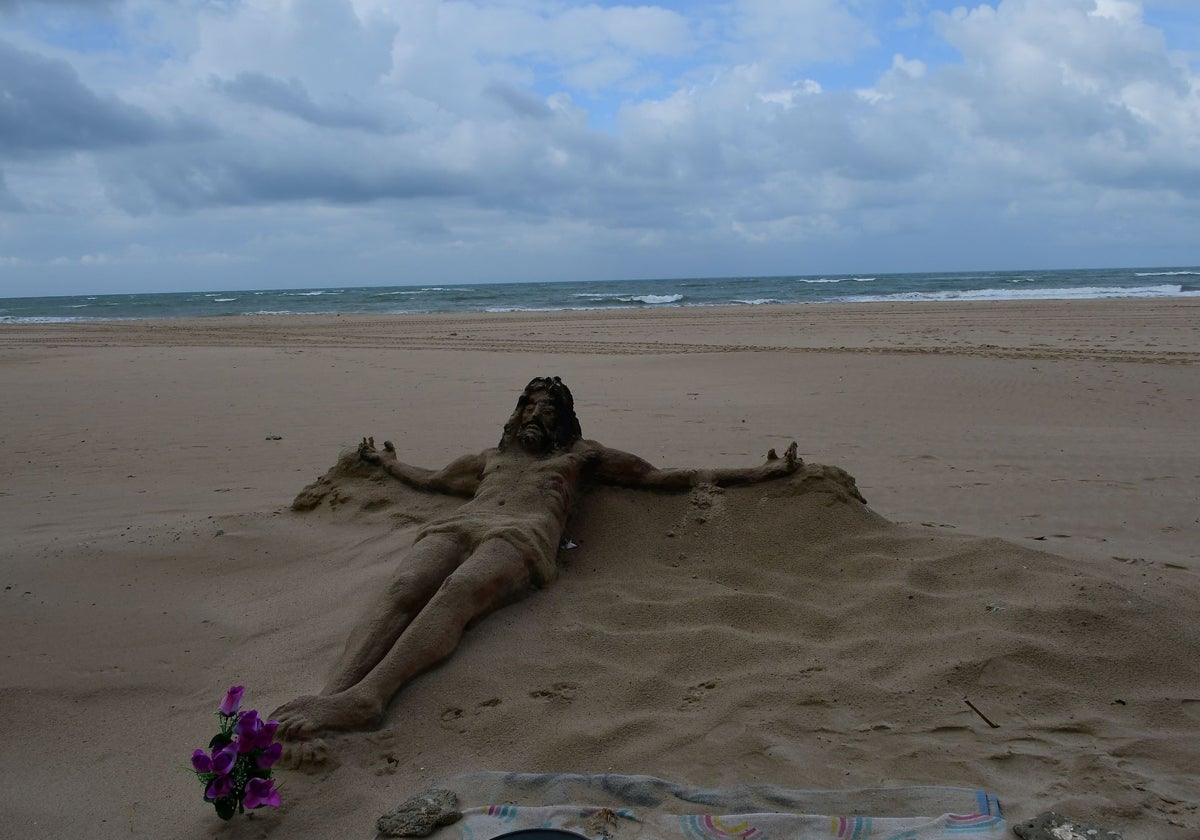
x=986, y=719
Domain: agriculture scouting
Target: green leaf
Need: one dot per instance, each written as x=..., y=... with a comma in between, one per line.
x=225, y=808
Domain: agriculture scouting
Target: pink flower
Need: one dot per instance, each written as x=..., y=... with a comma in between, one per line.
x=261, y=792
x=233, y=699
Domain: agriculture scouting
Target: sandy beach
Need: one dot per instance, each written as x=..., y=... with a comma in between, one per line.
x=1030, y=543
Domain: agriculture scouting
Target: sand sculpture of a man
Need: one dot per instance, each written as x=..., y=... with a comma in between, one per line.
x=490, y=551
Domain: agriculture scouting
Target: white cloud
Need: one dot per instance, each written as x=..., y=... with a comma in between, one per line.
x=510, y=139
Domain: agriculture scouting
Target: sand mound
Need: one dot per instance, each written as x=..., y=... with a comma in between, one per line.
x=782, y=633
x=787, y=633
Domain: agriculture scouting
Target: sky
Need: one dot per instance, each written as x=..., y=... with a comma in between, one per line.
x=171, y=145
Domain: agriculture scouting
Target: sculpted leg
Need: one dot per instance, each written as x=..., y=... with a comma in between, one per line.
x=495, y=574
x=430, y=561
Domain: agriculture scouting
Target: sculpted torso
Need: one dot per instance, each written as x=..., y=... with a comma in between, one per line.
x=516, y=486
x=522, y=499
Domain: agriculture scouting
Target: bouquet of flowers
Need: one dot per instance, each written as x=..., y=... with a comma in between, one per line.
x=236, y=769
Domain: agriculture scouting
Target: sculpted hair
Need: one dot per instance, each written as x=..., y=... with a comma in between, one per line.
x=567, y=430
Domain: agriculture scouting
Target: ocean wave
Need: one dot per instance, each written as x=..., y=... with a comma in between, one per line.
x=625, y=297
x=1021, y=280
x=1166, y=273
x=311, y=294
x=758, y=301
x=224, y=300
x=1080, y=293
x=655, y=299
x=56, y=319
x=822, y=280
x=864, y=279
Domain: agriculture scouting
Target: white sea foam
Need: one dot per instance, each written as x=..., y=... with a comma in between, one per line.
x=654, y=298
x=758, y=301
x=1080, y=293
x=54, y=319
x=822, y=280
x=224, y=300
x=80, y=305
x=864, y=279
x=1165, y=273
x=625, y=297
x=536, y=308
x=1022, y=280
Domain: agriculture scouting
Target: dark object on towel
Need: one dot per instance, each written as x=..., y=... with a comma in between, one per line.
x=1052, y=826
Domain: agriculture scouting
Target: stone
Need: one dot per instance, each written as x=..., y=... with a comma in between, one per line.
x=420, y=815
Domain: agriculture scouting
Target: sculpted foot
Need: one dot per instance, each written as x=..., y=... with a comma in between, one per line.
x=305, y=717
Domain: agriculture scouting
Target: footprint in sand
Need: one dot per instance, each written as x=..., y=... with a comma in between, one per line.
x=695, y=694
x=307, y=756
x=564, y=691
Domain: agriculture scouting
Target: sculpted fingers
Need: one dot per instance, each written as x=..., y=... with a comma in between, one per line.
x=771, y=456
x=366, y=451
x=790, y=456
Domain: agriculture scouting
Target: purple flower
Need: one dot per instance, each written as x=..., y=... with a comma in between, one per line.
x=267, y=735
x=223, y=759
x=248, y=729
x=233, y=699
x=267, y=758
x=219, y=788
x=201, y=761
x=261, y=792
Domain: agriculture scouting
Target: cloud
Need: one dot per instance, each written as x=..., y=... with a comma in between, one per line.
x=8, y=202
x=712, y=134
x=45, y=108
x=291, y=97
x=85, y=5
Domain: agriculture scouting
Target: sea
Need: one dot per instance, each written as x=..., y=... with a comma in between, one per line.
x=614, y=294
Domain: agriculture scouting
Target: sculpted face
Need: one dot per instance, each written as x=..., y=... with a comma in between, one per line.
x=539, y=418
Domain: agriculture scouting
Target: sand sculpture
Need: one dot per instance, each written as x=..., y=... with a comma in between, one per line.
x=490, y=551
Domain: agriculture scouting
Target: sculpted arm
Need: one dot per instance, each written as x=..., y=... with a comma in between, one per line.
x=625, y=470
x=460, y=477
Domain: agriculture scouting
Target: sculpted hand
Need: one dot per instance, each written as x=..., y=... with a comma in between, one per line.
x=367, y=451
x=791, y=462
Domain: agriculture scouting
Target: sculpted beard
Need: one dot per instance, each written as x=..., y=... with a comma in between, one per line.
x=533, y=435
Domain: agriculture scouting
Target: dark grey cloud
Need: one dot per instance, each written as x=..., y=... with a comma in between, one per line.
x=185, y=179
x=292, y=98
x=44, y=107
x=520, y=102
